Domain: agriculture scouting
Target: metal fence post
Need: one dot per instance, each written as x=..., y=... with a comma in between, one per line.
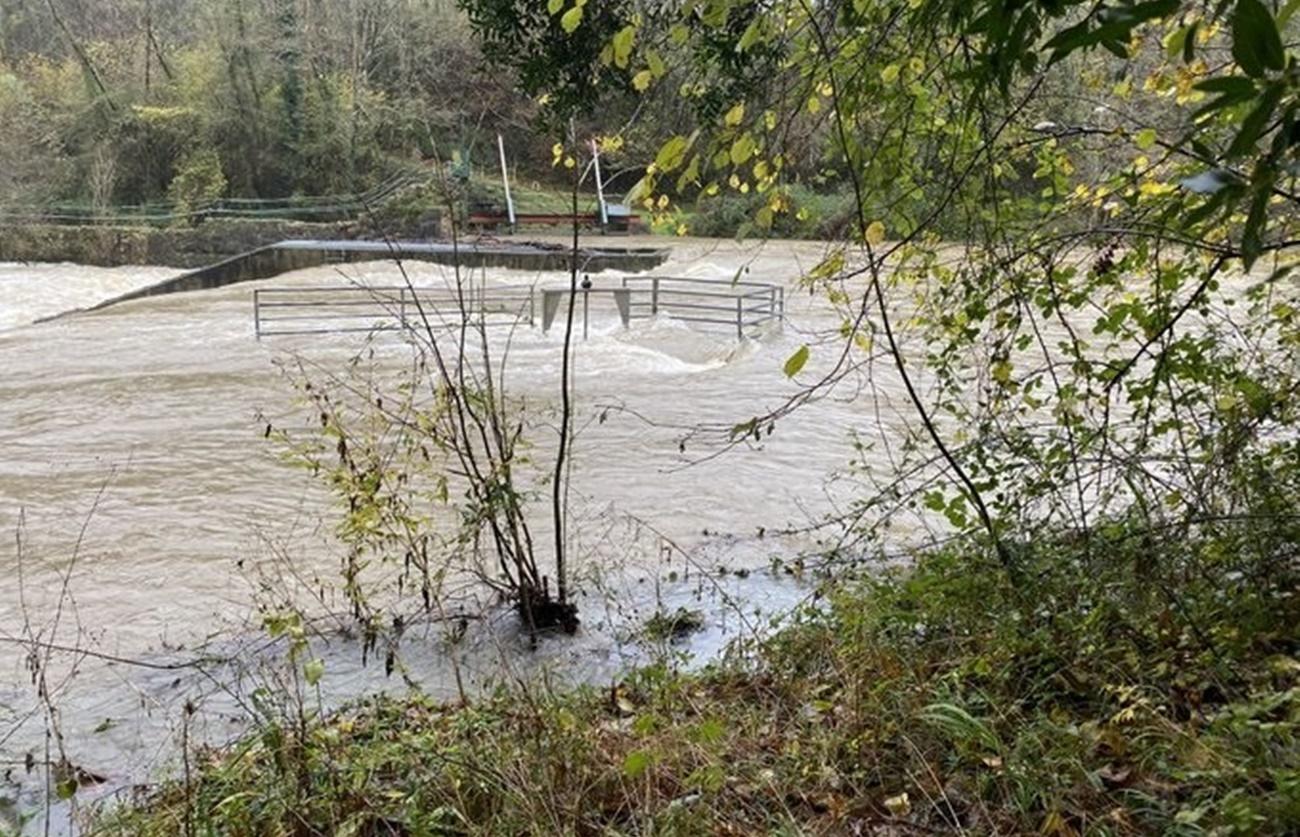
x=257, y=313
x=402, y=307
x=654, y=296
x=740, y=318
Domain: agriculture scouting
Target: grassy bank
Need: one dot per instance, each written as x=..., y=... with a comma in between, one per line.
x=1142, y=680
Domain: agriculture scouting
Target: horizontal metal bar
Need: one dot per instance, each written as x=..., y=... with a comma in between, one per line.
x=356, y=303
x=696, y=281
x=422, y=291
x=378, y=328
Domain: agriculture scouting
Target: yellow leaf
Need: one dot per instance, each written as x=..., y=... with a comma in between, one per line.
x=735, y=116
x=641, y=81
x=875, y=233
x=890, y=74
x=571, y=19
x=899, y=806
x=554, y=6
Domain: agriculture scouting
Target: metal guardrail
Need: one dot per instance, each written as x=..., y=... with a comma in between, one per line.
x=740, y=305
x=743, y=304
x=349, y=308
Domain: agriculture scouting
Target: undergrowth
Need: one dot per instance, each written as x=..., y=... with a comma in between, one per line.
x=1141, y=680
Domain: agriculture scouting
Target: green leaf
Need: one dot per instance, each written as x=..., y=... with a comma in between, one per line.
x=1255, y=122
x=1174, y=46
x=1110, y=28
x=658, y=68
x=1145, y=138
x=742, y=149
x=1256, y=42
x=641, y=81
x=672, y=154
x=797, y=361
x=710, y=732
x=636, y=764
x=1287, y=11
x=554, y=6
x=622, y=43
x=313, y=671
x=571, y=19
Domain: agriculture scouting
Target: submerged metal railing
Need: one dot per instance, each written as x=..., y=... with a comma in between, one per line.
x=742, y=305
x=343, y=309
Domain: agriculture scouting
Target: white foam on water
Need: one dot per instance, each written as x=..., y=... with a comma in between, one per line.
x=33, y=291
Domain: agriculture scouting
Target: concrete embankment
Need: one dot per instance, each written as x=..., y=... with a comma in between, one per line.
x=184, y=247
x=285, y=256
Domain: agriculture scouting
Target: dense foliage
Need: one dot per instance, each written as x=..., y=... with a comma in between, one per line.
x=106, y=103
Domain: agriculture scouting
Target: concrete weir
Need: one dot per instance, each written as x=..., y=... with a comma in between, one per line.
x=266, y=262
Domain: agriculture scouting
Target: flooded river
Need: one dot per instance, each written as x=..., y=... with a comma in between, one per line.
x=129, y=438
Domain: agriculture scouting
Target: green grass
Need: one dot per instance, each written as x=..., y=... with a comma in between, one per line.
x=1144, y=681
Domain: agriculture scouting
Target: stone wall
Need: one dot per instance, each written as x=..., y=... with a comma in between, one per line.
x=184, y=247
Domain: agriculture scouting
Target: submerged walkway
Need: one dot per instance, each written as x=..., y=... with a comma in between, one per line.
x=266, y=262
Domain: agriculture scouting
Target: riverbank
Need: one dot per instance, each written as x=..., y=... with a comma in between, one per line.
x=1142, y=680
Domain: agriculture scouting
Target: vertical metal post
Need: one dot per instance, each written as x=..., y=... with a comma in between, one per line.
x=654, y=296
x=532, y=308
x=740, y=318
x=586, y=305
x=505, y=179
x=257, y=314
x=600, y=188
x=402, y=308
x=771, y=304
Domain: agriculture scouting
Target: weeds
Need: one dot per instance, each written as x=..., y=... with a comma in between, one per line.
x=1153, y=688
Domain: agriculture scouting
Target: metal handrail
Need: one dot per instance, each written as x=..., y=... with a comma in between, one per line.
x=742, y=304
x=400, y=303
x=665, y=296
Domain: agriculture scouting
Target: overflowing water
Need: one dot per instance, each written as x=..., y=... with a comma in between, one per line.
x=141, y=504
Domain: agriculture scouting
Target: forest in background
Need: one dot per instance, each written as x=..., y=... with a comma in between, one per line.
x=112, y=103
x=178, y=103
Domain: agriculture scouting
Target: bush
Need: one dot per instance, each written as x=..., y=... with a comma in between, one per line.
x=198, y=182
x=809, y=215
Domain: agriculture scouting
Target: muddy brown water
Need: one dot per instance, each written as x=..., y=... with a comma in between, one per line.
x=132, y=431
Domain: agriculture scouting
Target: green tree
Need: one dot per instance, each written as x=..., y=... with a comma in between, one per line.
x=198, y=182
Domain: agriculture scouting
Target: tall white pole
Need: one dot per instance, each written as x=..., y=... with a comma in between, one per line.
x=505, y=179
x=600, y=187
